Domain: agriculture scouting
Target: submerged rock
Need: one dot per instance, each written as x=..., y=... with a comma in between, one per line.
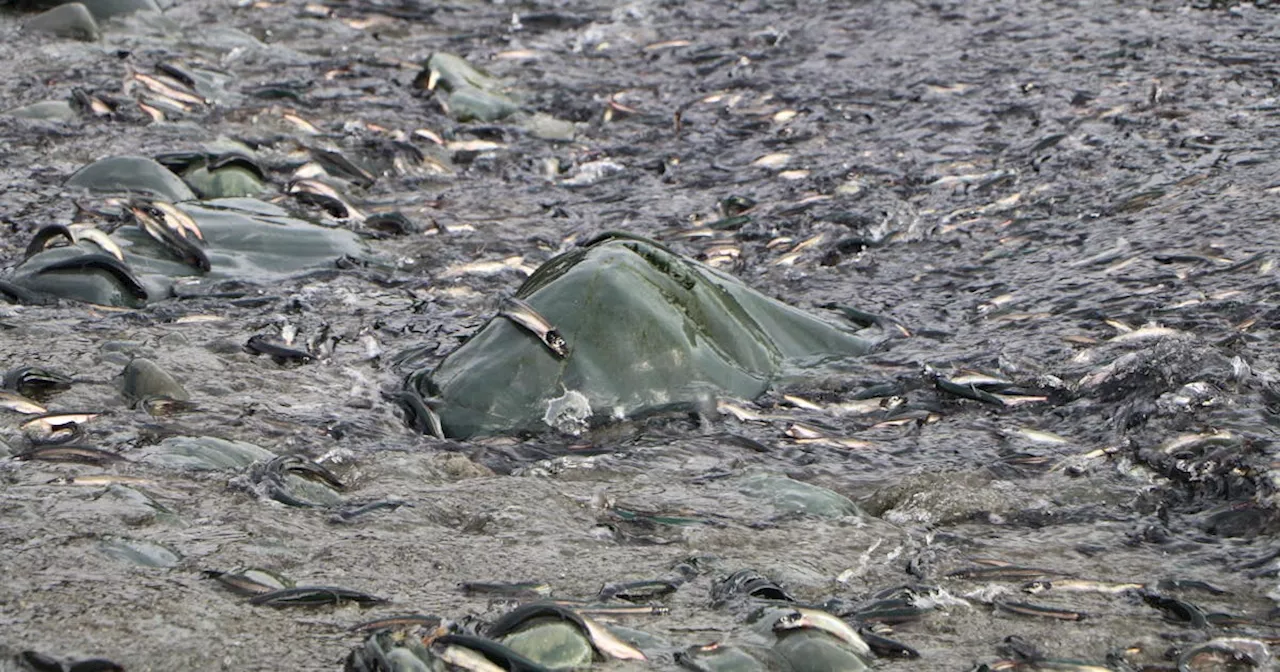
x=139, y=552
x=72, y=20
x=131, y=174
x=791, y=496
x=811, y=650
x=225, y=182
x=105, y=9
x=472, y=93
x=245, y=240
x=143, y=379
x=204, y=453
x=729, y=658
x=556, y=643
x=643, y=329
x=48, y=110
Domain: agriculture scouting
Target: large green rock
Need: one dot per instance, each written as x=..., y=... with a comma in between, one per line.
x=645, y=328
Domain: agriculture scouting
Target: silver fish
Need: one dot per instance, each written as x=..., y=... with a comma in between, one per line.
x=828, y=623
x=16, y=402
x=525, y=316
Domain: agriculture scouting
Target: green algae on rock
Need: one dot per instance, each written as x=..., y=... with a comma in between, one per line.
x=645, y=329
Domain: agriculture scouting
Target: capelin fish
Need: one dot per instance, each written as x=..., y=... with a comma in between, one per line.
x=307, y=596
x=1001, y=572
x=1028, y=609
x=520, y=589
x=1188, y=443
x=742, y=413
x=100, y=262
x=82, y=454
x=479, y=654
x=804, y=434
x=610, y=644
x=239, y=583
x=526, y=317
x=1080, y=586
x=405, y=621
x=46, y=236
x=828, y=623
x=624, y=610
x=97, y=237
x=52, y=420
x=259, y=345
x=316, y=192
x=178, y=220
x=103, y=479
x=171, y=234
x=16, y=402
x=170, y=89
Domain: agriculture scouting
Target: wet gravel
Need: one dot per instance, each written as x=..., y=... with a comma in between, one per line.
x=1022, y=186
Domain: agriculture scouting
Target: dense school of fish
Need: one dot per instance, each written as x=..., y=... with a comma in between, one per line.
x=629, y=336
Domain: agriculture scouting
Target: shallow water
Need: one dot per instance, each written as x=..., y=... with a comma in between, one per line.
x=1014, y=183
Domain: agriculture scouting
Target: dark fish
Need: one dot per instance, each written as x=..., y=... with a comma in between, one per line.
x=239, y=160
x=81, y=454
x=180, y=161
x=617, y=609
x=518, y=616
x=350, y=513
x=39, y=662
x=310, y=596
x=1190, y=584
x=889, y=615
x=967, y=391
x=34, y=381
x=46, y=235
x=749, y=583
x=864, y=319
x=519, y=589
x=280, y=354
x=420, y=414
x=640, y=591
x=993, y=573
x=406, y=621
x=1177, y=611
x=394, y=223
x=885, y=647
x=315, y=192
x=337, y=163
x=278, y=466
x=100, y=262
x=1029, y=609
x=177, y=73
